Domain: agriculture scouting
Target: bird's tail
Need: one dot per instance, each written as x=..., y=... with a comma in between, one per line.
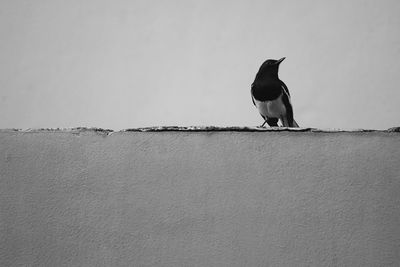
x=295, y=124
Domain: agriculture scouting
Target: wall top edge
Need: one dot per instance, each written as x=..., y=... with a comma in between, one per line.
x=200, y=129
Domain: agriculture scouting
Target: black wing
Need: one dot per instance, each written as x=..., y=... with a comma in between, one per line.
x=285, y=88
x=289, y=110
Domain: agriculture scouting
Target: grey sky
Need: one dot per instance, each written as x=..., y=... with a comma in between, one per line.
x=123, y=64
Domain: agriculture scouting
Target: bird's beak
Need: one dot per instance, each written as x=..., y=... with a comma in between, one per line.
x=280, y=60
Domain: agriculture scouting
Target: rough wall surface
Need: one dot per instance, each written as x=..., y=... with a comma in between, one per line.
x=86, y=198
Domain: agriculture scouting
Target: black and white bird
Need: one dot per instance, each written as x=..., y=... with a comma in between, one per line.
x=271, y=96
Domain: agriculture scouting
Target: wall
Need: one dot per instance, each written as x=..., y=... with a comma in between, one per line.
x=210, y=197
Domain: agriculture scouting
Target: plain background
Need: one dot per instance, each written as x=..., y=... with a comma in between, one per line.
x=123, y=64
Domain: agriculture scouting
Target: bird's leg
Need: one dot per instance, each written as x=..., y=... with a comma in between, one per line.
x=262, y=125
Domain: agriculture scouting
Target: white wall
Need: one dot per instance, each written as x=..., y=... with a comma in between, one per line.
x=81, y=198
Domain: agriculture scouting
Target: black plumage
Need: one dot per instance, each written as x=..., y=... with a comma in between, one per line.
x=271, y=95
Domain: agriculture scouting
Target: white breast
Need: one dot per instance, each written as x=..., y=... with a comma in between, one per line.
x=272, y=109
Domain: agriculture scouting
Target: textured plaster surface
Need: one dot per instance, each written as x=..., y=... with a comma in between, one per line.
x=197, y=197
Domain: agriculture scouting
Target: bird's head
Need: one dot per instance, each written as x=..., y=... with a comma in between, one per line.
x=270, y=67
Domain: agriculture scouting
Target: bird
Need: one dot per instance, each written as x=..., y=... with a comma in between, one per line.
x=271, y=95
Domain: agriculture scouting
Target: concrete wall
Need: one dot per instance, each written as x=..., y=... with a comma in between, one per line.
x=199, y=198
